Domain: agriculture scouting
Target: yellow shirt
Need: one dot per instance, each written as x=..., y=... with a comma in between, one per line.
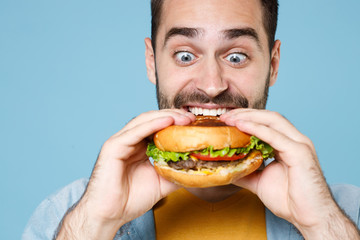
x=182, y=215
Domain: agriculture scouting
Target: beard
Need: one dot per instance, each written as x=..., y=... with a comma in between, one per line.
x=225, y=98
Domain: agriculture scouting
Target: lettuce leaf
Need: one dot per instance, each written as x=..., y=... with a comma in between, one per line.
x=255, y=143
x=156, y=154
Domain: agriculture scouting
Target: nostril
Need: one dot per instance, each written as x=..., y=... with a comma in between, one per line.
x=213, y=91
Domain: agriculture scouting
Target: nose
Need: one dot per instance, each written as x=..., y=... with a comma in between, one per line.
x=210, y=79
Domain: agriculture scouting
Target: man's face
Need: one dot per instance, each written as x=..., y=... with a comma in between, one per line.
x=211, y=54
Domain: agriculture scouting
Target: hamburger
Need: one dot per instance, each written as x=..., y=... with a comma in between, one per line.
x=206, y=153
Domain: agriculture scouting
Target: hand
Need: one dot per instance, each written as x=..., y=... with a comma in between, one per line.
x=293, y=186
x=124, y=184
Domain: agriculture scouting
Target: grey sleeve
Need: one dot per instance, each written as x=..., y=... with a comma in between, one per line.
x=348, y=199
x=47, y=216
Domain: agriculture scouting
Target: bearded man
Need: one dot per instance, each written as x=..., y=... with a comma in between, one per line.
x=205, y=55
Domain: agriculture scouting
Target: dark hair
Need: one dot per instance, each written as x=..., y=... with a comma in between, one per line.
x=270, y=17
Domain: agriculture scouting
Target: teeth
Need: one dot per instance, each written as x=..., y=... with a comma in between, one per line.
x=213, y=112
x=207, y=112
x=196, y=111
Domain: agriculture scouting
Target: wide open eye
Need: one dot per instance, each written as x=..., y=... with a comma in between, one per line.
x=236, y=58
x=184, y=57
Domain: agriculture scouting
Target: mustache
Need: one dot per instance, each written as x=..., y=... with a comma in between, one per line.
x=225, y=98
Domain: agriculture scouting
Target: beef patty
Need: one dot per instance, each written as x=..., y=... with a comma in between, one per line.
x=199, y=164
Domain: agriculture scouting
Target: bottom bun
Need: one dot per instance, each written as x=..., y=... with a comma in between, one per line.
x=211, y=178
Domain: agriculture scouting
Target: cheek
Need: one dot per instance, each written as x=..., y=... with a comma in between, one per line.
x=250, y=82
x=172, y=79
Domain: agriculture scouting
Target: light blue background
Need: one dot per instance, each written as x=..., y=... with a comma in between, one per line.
x=72, y=73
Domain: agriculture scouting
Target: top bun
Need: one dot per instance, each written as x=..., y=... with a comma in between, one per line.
x=205, y=131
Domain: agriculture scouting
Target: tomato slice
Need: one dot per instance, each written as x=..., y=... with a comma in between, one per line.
x=224, y=158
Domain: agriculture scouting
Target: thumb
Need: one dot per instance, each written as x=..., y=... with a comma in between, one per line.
x=249, y=182
x=167, y=187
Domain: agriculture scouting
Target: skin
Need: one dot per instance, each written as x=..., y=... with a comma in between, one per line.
x=124, y=185
x=210, y=72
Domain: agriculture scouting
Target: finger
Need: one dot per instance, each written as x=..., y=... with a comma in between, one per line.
x=127, y=142
x=268, y=118
x=265, y=133
x=139, y=132
x=166, y=187
x=181, y=117
x=160, y=113
x=249, y=182
x=285, y=146
x=265, y=117
x=124, y=144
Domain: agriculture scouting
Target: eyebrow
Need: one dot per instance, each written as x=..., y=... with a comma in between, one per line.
x=182, y=31
x=242, y=32
x=227, y=34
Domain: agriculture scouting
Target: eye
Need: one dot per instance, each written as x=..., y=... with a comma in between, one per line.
x=184, y=57
x=236, y=58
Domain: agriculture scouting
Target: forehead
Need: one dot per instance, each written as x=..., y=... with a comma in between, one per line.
x=211, y=15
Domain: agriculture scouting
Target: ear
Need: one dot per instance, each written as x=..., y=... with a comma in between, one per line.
x=275, y=62
x=150, y=61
